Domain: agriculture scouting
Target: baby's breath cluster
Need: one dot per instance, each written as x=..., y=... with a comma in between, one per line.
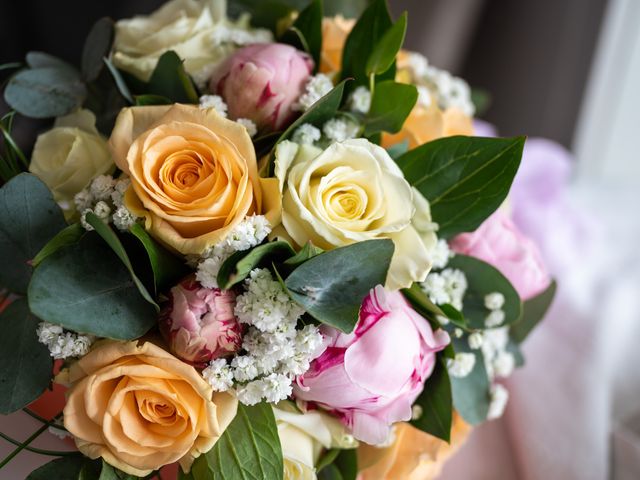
x=275, y=351
x=61, y=344
x=105, y=198
x=446, y=287
x=316, y=87
x=219, y=105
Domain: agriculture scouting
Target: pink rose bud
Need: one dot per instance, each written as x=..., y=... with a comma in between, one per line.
x=370, y=378
x=499, y=243
x=199, y=324
x=261, y=82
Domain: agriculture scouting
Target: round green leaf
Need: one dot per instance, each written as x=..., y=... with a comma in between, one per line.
x=65, y=468
x=471, y=396
x=96, y=47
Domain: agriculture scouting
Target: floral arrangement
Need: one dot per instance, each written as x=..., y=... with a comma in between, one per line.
x=260, y=243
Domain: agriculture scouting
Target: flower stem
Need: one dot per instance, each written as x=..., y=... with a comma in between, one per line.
x=26, y=443
x=39, y=451
x=33, y=414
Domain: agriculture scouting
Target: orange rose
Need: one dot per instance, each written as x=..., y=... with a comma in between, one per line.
x=414, y=455
x=194, y=175
x=335, y=31
x=139, y=408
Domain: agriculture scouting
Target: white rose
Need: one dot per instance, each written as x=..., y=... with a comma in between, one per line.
x=197, y=30
x=351, y=192
x=69, y=156
x=304, y=437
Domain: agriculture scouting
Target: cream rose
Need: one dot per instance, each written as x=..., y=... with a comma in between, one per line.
x=139, y=407
x=351, y=192
x=304, y=437
x=188, y=27
x=194, y=175
x=69, y=156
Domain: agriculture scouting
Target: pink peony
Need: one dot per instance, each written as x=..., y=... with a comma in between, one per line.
x=262, y=82
x=500, y=243
x=199, y=324
x=371, y=377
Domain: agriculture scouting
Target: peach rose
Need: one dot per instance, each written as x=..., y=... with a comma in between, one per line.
x=335, y=31
x=194, y=174
x=139, y=407
x=414, y=455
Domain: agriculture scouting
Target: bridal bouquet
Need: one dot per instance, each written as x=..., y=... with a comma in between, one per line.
x=259, y=242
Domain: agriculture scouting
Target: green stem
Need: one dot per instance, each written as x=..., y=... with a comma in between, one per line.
x=39, y=451
x=372, y=83
x=33, y=414
x=26, y=443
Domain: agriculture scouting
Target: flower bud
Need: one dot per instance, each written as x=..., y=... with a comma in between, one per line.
x=261, y=82
x=199, y=324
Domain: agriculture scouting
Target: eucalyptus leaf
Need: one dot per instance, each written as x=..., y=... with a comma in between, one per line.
x=471, y=397
x=65, y=468
x=482, y=280
x=26, y=364
x=248, y=449
x=96, y=47
x=45, y=92
x=307, y=252
x=29, y=218
x=110, y=237
x=170, y=80
x=391, y=104
x=331, y=286
x=465, y=179
x=533, y=311
x=308, y=29
x=63, y=238
x=44, y=60
x=84, y=287
x=120, y=82
x=238, y=267
x=436, y=404
x=387, y=47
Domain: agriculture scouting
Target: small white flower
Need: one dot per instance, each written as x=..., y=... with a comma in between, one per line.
x=504, y=364
x=416, y=412
x=83, y=220
x=251, y=393
x=63, y=344
x=462, y=364
x=218, y=375
x=317, y=87
x=276, y=387
x=216, y=102
x=102, y=210
x=306, y=134
x=83, y=200
x=494, y=319
x=443, y=320
x=360, y=100
x=457, y=332
x=424, y=96
x=494, y=301
x=249, y=125
x=48, y=332
x=441, y=254
x=207, y=272
x=475, y=340
x=123, y=219
x=499, y=399
x=244, y=368
x=418, y=64
x=339, y=129
x=102, y=187
x=121, y=186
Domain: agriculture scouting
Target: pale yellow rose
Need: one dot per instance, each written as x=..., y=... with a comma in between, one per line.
x=69, y=156
x=414, y=455
x=139, y=407
x=351, y=192
x=335, y=31
x=188, y=27
x=193, y=174
x=305, y=436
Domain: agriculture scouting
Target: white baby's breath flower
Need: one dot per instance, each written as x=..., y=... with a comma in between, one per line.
x=494, y=319
x=123, y=219
x=63, y=344
x=216, y=102
x=244, y=368
x=418, y=64
x=102, y=210
x=317, y=87
x=276, y=387
x=424, y=96
x=249, y=125
x=475, y=340
x=461, y=365
x=218, y=375
x=251, y=393
x=102, y=187
x=441, y=254
x=83, y=200
x=306, y=134
x=504, y=364
x=494, y=301
x=207, y=272
x=499, y=399
x=340, y=129
x=360, y=100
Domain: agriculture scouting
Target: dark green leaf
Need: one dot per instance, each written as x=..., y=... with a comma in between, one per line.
x=327, y=459
x=110, y=237
x=481, y=100
x=65, y=468
x=330, y=472
x=84, y=287
x=166, y=267
x=471, y=397
x=44, y=60
x=308, y=26
x=107, y=472
x=484, y=279
x=422, y=304
x=26, y=363
x=350, y=9
x=307, y=252
x=123, y=88
x=465, y=179
x=266, y=13
x=249, y=449
x=372, y=25
x=332, y=285
x=237, y=267
x=142, y=100
x=10, y=66
x=387, y=47
x=436, y=403
x=45, y=92
x=170, y=80
x=29, y=218
x=96, y=47
x=391, y=104
x=533, y=310
x=65, y=237
x=11, y=146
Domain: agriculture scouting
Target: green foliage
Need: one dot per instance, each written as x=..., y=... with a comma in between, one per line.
x=399, y=149
x=29, y=218
x=343, y=467
x=96, y=47
x=387, y=47
x=65, y=237
x=170, y=80
x=307, y=252
x=484, y=279
x=76, y=467
x=12, y=159
x=86, y=288
x=391, y=104
x=471, y=397
x=533, y=311
x=248, y=449
x=332, y=285
x=238, y=266
x=119, y=80
x=436, y=404
x=26, y=363
x=306, y=31
x=465, y=179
